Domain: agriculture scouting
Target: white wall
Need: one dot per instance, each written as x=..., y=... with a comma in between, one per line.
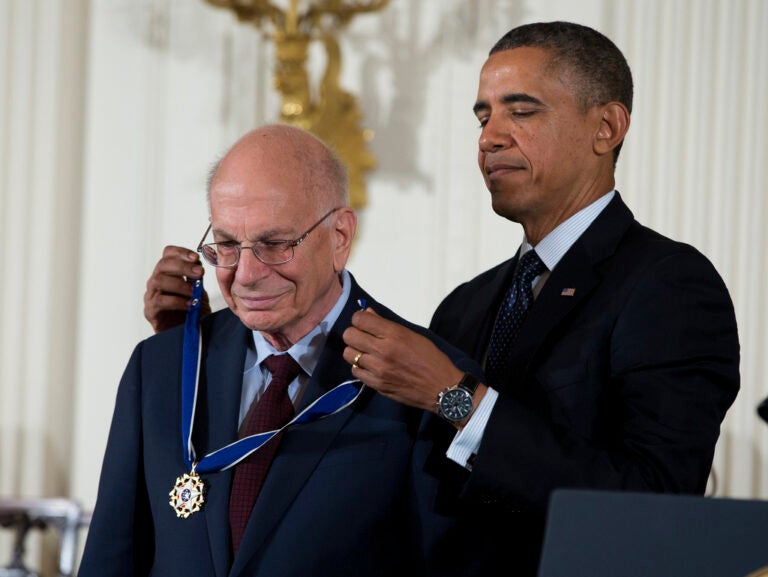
x=112, y=110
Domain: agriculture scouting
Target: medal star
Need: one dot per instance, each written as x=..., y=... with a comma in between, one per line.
x=187, y=497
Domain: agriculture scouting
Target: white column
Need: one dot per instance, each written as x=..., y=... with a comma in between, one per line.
x=42, y=76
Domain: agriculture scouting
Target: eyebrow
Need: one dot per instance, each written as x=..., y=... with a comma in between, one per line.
x=271, y=234
x=512, y=98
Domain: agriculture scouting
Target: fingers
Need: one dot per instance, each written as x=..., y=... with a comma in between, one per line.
x=168, y=290
x=179, y=261
x=370, y=322
x=171, y=273
x=396, y=361
x=369, y=329
x=357, y=358
x=165, y=302
x=164, y=310
x=372, y=334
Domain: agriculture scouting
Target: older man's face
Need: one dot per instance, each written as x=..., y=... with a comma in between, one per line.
x=284, y=302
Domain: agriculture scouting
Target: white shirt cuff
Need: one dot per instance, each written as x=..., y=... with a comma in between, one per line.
x=466, y=443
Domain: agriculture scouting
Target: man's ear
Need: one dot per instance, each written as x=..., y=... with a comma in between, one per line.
x=613, y=127
x=344, y=227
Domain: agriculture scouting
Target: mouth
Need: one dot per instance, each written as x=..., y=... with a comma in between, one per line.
x=259, y=303
x=497, y=170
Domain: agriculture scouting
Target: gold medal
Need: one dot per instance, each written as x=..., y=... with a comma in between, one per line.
x=187, y=497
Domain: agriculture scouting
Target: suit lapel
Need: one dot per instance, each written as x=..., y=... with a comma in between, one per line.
x=224, y=359
x=572, y=280
x=288, y=476
x=575, y=272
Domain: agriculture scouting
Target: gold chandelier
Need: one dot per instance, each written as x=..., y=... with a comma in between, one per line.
x=333, y=115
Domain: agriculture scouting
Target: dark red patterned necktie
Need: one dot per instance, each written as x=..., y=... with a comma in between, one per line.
x=272, y=411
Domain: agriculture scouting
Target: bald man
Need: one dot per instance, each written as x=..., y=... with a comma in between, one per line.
x=346, y=494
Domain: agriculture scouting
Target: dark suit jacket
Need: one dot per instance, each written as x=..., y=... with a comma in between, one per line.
x=346, y=495
x=621, y=386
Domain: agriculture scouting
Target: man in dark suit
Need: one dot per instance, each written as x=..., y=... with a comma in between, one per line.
x=346, y=495
x=611, y=352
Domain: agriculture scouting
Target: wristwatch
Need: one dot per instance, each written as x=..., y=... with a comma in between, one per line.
x=455, y=403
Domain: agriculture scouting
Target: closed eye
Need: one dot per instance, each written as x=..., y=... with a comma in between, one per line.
x=273, y=243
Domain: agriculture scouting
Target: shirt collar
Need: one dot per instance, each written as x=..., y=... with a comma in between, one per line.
x=554, y=246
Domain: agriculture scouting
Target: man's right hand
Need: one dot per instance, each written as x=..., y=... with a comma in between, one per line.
x=169, y=290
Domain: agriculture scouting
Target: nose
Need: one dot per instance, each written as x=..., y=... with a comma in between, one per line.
x=249, y=268
x=495, y=135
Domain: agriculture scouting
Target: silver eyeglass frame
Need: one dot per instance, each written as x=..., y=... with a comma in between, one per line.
x=291, y=244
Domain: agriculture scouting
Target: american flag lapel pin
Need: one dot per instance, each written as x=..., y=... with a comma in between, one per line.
x=567, y=292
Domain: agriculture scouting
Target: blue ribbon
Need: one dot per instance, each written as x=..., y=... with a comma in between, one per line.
x=335, y=400
x=190, y=369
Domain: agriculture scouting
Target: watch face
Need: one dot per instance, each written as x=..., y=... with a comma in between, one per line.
x=456, y=404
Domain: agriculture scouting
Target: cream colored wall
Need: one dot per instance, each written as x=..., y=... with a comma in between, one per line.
x=112, y=110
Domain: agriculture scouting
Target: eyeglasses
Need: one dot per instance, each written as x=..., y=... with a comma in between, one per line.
x=227, y=254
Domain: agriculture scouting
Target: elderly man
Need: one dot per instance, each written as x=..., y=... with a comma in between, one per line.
x=346, y=494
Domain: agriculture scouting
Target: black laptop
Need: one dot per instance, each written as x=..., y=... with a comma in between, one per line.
x=622, y=534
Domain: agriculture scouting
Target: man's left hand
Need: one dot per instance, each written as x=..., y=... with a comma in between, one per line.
x=399, y=363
